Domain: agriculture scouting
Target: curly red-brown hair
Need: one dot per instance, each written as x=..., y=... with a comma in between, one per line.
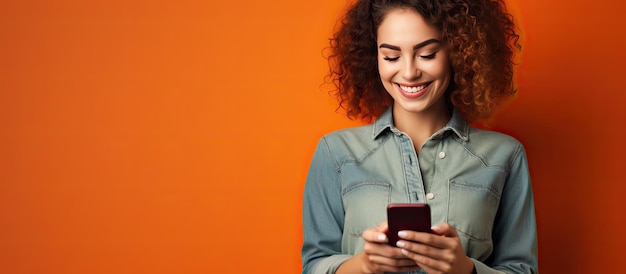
x=479, y=36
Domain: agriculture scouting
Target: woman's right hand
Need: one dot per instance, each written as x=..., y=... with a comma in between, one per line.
x=378, y=256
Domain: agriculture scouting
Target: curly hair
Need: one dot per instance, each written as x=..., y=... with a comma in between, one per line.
x=479, y=36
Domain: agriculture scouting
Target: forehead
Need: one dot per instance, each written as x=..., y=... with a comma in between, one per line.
x=401, y=26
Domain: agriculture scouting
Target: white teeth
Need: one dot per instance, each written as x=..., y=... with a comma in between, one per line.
x=412, y=89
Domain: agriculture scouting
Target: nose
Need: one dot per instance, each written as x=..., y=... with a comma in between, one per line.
x=411, y=70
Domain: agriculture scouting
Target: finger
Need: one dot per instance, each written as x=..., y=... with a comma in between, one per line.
x=385, y=258
x=383, y=224
x=382, y=227
x=384, y=264
x=383, y=249
x=444, y=229
x=420, y=237
x=374, y=235
x=433, y=257
x=430, y=265
x=391, y=262
x=425, y=238
x=421, y=249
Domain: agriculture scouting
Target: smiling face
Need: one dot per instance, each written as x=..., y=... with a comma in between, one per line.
x=412, y=63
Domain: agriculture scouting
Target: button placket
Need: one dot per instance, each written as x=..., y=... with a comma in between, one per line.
x=412, y=171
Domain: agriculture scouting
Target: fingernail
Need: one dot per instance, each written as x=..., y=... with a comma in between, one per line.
x=402, y=234
x=382, y=237
x=404, y=251
x=400, y=244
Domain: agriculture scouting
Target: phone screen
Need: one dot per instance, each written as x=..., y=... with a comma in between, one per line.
x=415, y=217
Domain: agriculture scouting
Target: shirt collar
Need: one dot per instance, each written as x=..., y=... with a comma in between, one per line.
x=456, y=124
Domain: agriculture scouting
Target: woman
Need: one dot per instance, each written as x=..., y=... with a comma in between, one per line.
x=423, y=69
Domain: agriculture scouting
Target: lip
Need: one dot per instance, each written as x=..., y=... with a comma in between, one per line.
x=414, y=94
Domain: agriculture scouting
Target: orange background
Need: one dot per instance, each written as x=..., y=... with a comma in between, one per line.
x=175, y=137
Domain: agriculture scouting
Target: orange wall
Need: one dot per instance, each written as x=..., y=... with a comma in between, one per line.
x=570, y=115
x=174, y=137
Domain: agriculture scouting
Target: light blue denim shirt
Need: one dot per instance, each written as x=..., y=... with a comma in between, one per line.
x=475, y=180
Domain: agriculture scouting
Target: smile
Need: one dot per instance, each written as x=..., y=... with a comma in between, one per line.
x=413, y=89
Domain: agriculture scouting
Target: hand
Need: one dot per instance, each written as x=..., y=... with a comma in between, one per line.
x=437, y=252
x=377, y=256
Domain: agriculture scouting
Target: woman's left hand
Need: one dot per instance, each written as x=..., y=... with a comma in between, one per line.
x=437, y=252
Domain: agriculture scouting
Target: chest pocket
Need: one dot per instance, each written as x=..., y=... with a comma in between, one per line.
x=365, y=205
x=472, y=207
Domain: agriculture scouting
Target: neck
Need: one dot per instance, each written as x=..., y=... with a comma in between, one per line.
x=421, y=126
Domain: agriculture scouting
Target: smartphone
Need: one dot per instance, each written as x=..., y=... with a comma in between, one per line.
x=415, y=217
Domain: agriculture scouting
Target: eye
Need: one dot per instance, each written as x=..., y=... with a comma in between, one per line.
x=428, y=57
x=391, y=59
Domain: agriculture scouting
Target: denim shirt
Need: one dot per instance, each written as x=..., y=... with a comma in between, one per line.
x=475, y=180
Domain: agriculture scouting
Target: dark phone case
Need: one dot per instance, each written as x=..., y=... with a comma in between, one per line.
x=415, y=217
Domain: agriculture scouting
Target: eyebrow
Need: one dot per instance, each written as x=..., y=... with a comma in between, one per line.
x=416, y=47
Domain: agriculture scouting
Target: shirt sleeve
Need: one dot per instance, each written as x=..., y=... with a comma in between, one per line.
x=323, y=214
x=515, y=232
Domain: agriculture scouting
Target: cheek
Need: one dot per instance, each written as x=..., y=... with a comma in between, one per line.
x=443, y=72
x=385, y=71
x=386, y=74
x=444, y=69
x=439, y=70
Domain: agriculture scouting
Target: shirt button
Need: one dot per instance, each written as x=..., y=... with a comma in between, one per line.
x=430, y=196
x=442, y=155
